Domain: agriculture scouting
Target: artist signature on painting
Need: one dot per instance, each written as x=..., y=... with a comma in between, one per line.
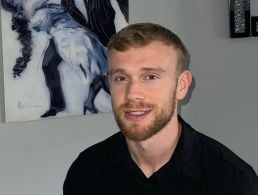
x=23, y=105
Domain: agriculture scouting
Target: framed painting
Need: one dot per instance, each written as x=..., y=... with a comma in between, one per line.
x=54, y=56
x=239, y=18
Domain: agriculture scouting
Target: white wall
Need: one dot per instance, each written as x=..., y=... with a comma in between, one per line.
x=34, y=156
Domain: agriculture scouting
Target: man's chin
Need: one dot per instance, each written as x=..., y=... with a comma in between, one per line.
x=136, y=132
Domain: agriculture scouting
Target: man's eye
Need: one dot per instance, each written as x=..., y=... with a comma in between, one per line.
x=151, y=77
x=119, y=79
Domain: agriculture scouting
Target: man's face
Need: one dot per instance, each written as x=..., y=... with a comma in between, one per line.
x=143, y=84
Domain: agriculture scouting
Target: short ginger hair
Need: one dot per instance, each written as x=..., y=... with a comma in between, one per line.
x=142, y=34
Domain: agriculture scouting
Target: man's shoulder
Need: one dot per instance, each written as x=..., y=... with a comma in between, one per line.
x=102, y=149
x=217, y=152
x=89, y=165
x=223, y=167
x=97, y=156
x=210, y=150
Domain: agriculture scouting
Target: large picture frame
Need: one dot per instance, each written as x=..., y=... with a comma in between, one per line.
x=54, y=56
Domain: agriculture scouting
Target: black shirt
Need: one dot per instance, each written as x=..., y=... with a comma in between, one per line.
x=199, y=165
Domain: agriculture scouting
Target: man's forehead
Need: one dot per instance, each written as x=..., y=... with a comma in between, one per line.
x=157, y=57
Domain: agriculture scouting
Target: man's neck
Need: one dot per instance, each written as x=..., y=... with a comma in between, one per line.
x=150, y=155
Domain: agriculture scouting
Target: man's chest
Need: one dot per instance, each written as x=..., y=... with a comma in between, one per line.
x=128, y=183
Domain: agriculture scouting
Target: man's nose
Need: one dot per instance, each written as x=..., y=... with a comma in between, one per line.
x=134, y=91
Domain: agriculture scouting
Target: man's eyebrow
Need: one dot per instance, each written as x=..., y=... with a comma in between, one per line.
x=143, y=69
x=151, y=69
x=116, y=70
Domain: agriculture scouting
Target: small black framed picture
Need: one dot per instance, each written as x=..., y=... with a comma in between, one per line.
x=254, y=25
x=239, y=18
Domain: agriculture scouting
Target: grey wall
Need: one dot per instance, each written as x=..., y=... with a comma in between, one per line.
x=34, y=156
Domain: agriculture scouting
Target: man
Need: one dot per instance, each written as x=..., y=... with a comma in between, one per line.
x=156, y=152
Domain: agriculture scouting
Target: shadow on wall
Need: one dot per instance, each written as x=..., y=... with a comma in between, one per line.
x=191, y=87
x=187, y=97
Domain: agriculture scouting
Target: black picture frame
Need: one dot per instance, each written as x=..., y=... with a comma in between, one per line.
x=254, y=26
x=239, y=18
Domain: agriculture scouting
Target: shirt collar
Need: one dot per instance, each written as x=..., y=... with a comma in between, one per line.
x=189, y=161
x=121, y=153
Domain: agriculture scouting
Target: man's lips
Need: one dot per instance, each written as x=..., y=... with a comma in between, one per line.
x=136, y=115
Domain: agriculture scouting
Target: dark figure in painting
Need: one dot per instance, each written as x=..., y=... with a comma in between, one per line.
x=20, y=25
x=74, y=43
x=100, y=16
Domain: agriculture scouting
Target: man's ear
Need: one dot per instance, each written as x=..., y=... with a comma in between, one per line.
x=183, y=83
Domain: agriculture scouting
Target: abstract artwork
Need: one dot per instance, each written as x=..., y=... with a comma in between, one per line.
x=54, y=56
x=239, y=18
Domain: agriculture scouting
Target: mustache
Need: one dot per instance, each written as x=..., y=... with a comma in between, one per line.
x=136, y=105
